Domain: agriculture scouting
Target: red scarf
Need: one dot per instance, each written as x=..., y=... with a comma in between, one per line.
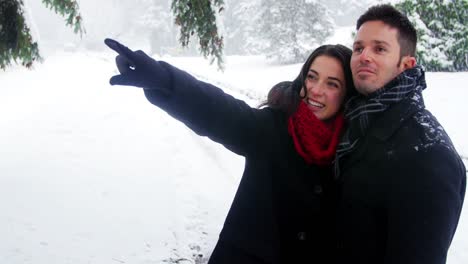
x=314, y=140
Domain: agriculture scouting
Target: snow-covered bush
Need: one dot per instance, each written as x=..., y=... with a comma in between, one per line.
x=286, y=31
x=291, y=29
x=442, y=32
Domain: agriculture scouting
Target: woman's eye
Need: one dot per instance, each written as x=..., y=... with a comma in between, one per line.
x=311, y=77
x=334, y=85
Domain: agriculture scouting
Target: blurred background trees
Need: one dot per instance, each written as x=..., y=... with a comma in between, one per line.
x=442, y=28
x=285, y=31
x=16, y=42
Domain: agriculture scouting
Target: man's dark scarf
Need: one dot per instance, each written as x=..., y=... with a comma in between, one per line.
x=360, y=110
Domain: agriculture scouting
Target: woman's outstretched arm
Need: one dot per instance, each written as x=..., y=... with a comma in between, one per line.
x=203, y=107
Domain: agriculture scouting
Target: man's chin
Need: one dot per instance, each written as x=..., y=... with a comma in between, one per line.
x=365, y=88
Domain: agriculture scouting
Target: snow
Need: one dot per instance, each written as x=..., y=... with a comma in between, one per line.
x=343, y=36
x=91, y=173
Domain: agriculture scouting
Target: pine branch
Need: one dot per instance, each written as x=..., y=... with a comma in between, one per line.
x=198, y=17
x=16, y=42
x=68, y=9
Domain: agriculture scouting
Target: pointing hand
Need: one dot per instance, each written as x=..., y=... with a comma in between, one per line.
x=138, y=69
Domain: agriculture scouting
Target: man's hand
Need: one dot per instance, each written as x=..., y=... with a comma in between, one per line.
x=138, y=69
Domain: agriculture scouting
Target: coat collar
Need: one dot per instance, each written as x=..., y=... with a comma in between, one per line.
x=391, y=120
x=384, y=126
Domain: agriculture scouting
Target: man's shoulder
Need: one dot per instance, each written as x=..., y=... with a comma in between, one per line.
x=423, y=132
x=419, y=140
x=431, y=131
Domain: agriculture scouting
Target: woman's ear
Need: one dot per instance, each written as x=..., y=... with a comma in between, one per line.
x=302, y=92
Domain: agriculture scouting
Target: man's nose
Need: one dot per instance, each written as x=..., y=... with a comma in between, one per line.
x=365, y=55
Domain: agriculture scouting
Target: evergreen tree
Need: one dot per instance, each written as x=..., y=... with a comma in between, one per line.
x=234, y=26
x=346, y=12
x=156, y=22
x=442, y=32
x=291, y=29
x=16, y=42
x=240, y=22
x=199, y=17
x=250, y=13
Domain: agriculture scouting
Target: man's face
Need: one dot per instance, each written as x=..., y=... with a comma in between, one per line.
x=376, y=57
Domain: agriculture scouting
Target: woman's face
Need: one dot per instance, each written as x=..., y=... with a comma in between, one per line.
x=326, y=87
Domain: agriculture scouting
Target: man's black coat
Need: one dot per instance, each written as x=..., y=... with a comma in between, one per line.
x=402, y=191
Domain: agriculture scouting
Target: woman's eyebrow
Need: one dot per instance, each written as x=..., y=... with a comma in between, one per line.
x=336, y=79
x=329, y=77
x=310, y=70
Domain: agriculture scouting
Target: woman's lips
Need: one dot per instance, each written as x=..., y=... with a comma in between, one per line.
x=315, y=103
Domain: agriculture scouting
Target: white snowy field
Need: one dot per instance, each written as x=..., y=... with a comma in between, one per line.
x=91, y=173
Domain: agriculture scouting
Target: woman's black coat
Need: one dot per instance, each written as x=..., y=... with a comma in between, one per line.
x=281, y=211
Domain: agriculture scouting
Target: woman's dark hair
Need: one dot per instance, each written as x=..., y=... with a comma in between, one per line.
x=286, y=95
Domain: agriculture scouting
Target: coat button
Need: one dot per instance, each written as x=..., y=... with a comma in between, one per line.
x=318, y=189
x=339, y=245
x=302, y=236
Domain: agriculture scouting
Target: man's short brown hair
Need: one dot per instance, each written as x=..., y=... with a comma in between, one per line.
x=407, y=37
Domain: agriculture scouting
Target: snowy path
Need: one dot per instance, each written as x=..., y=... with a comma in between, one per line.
x=91, y=173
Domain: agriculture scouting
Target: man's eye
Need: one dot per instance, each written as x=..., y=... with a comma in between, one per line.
x=380, y=49
x=357, y=49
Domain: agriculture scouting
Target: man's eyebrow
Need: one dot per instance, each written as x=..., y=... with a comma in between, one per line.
x=378, y=42
x=381, y=42
x=357, y=42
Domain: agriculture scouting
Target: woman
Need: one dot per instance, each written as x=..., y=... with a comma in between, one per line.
x=282, y=211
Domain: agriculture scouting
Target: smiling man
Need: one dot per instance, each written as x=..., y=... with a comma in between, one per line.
x=402, y=183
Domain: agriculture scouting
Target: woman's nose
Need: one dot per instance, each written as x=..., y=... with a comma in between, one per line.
x=317, y=88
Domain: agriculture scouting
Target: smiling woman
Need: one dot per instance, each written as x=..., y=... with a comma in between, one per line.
x=283, y=208
x=324, y=89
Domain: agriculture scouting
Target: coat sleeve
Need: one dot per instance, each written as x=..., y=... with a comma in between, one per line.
x=208, y=111
x=424, y=205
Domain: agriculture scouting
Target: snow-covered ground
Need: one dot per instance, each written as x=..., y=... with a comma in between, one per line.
x=91, y=173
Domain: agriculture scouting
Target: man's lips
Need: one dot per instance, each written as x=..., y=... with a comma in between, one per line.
x=365, y=70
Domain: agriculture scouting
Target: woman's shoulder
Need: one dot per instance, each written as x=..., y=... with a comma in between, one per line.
x=276, y=114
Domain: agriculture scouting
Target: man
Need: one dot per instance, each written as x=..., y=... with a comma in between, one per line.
x=402, y=183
